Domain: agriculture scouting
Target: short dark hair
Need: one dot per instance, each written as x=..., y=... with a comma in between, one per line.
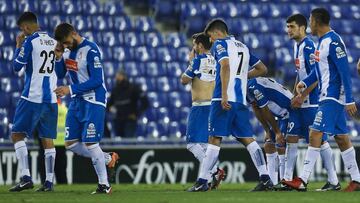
x=27, y=17
x=195, y=35
x=204, y=40
x=62, y=31
x=216, y=24
x=298, y=18
x=321, y=15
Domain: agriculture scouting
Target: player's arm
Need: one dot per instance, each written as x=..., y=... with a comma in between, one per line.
x=60, y=68
x=190, y=72
x=22, y=52
x=225, y=77
x=258, y=68
x=338, y=55
x=307, y=82
x=95, y=71
x=260, y=118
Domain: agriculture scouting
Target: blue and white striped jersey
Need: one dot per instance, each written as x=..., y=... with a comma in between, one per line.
x=332, y=70
x=86, y=72
x=202, y=66
x=268, y=92
x=38, y=57
x=304, y=55
x=240, y=60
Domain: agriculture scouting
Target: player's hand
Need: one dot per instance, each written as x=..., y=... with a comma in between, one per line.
x=224, y=102
x=351, y=109
x=297, y=101
x=191, y=55
x=300, y=87
x=358, y=66
x=62, y=91
x=280, y=140
x=20, y=39
x=59, y=50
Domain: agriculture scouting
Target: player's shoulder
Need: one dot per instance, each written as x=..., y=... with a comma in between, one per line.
x=30, y=38
x=335, y=39
x=309, y=44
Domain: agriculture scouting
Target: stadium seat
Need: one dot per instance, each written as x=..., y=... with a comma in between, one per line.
x=122, y=23
x=90, y=8
x=175, y=130
x=144, y=24
x=174, y=69
x=163, y=54
x=71, y=7
x=177, y=100
x=49, y=7
x=112, y=8
x=10, y=22
x=147, y=84
x=134, y=69
x=5, y=99
x=153, y=39
x=157, y=99
x=175, y=39
x=7, y=7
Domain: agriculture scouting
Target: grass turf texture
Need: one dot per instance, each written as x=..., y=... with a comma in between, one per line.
x=166, y=193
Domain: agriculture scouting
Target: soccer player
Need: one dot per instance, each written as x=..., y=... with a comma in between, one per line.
x=228, y=111
x=270, y=101
x=333, y=75
x=37, y=108
x=86, y=114
x=201, y=75
x=307, y=105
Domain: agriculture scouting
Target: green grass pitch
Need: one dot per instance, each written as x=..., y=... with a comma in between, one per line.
x=167, y=193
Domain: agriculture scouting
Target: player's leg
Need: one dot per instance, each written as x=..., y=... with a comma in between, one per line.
x=324, y=122
x=327, y=158
x=241, y=129
x=217, y=128
x=93, y=130
x=73, y=130
x=272, y=160
x=347, y=153
x=280, y=148
x=47, y=129
x=25, y=120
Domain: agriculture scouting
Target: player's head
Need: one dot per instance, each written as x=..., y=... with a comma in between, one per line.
x=319, y=17
x=216, y=29
x=120, y=75
x=296, y=26
x=27, y=22
x=66, y=34
x=202, y=43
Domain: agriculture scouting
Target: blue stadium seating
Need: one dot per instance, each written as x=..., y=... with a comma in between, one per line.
x=156, y=60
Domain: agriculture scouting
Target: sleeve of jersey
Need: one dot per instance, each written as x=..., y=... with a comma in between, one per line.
x=309, y=56
x=259, y=96
x=221, y=51
x=60, y=68
x=193, y=68
x=253, y=60
x=22, y=55
x=95, y=72
x=338, y=55
x=310, y=79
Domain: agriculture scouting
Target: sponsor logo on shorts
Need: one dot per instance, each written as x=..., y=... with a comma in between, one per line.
x=318, y=118
x=91, y=130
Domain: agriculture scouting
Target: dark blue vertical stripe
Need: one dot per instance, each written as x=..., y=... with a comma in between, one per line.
x=73, y=75
x=46, y=90
x=28, y=75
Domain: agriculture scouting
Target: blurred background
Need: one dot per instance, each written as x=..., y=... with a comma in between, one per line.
x=149, y=41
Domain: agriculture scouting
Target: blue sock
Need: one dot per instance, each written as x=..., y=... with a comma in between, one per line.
x=202, y=181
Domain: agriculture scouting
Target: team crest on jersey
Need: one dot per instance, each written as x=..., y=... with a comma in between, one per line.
x=97, y=63
x=91, y=130
x=312, y=59
x=339, y=52
x=220, y=49
x=258, y=95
